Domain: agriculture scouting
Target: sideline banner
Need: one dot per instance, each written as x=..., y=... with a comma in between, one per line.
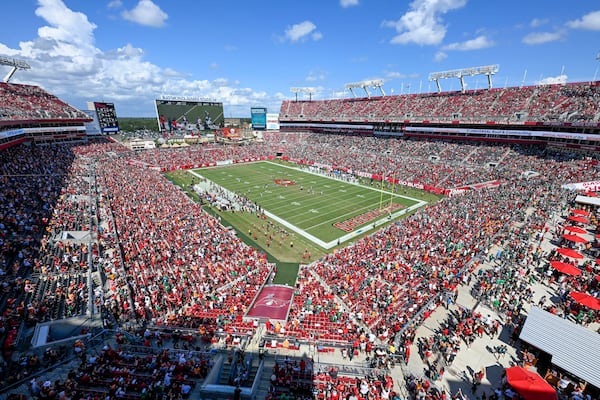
x=590, y=186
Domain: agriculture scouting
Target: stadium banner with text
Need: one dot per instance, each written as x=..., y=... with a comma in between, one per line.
x=590, y=186
x=259, y=118
x=176, y=113
x=107, y=117
x=272, y=122
x=505, y=132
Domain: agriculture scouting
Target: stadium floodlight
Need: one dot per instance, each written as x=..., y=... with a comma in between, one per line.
x=352, y=86
x=309, y=90
x=15, y=64
x=487, y=70
x=364, y=85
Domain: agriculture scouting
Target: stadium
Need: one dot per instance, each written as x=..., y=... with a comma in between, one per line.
x=447, y=246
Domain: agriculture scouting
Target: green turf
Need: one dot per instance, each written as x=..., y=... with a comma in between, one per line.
x=311, y=203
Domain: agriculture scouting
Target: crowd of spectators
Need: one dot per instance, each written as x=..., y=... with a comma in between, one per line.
x=300, y=380
x=167, y=263
x=33, y=181
x=556, y=102
x=179, y=263
x=123, y=374
x=27, y=102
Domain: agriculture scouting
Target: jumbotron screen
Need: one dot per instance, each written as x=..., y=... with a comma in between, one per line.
x=107, y=117
x=183, y=113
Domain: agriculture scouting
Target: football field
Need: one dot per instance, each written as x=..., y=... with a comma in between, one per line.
x=324, y=209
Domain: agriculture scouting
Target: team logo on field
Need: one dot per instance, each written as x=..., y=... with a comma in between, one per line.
x=284, y=182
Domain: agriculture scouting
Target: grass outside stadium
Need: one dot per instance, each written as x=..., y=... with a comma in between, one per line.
x=304, y=213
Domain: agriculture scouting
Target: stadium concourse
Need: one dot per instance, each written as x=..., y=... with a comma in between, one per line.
x=142, y=294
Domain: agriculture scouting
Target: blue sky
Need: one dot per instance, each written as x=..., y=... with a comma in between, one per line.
x=250, y=53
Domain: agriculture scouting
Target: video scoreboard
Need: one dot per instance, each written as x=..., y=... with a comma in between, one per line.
x=188, y=113
x=107, y=117
x=104, y=118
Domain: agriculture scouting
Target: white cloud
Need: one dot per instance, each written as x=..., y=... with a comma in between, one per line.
x=553, y=80
x=170, y=72
x=423, y=24
x=299, y=32
x=537, y=22
x=65, y=61
x=114, y=4
x=480, y=42
x=589, y=22
x=440, y=56
x=146, y=13
x=543, y=37
x=65, y=25
x=399, y=75
x=395, y=75
x=314, y=76
x=348, y=3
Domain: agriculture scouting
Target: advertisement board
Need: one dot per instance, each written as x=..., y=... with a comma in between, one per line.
x=272, y=122
x=259, y=118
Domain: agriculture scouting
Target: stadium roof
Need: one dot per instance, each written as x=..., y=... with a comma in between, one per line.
x=573, y=348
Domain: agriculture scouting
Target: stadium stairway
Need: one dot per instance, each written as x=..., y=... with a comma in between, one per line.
x=262, y=388
x=504, y=155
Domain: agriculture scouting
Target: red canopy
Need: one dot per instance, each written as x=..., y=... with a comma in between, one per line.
x=586, y=300
x=574, y=229
x=529, y=385
x=578, y=218
x=569, y=253
x=565, y=268
x=574, y=238
x=581, y=212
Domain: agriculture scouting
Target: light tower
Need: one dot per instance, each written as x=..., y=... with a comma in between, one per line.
x=309, y=90
x=487, y=70
x=364, y=85
x=15, y=64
